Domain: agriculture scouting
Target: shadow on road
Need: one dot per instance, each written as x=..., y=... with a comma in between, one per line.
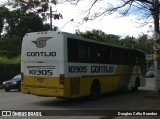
x=109, y=97
x=11, y=91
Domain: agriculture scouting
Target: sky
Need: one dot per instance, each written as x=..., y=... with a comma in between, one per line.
x=111, y=24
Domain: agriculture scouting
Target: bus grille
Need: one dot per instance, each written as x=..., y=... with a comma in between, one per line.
x=74, y=85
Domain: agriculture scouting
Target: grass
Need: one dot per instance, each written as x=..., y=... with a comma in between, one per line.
x=6, y=60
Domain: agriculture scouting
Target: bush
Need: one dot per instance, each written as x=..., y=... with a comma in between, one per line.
x=4, y=53
x=9, y=68
x=6, y=60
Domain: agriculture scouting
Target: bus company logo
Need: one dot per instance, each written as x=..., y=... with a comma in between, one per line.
x=40, y=80
x=41, y=42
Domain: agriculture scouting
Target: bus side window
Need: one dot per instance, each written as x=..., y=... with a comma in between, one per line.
x=115, y=55
x=93, y=54
x=72, y=50
x=103, y=59
x=121, y=57
x=130, y=58
x=125, y=59
x=89, y=53
x=137, y=60
x=107, y=55
x=99, y=53
x=82, y=52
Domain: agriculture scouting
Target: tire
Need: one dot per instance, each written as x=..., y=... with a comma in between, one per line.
x=137, y=83
x=95, y=90
x=7, y=89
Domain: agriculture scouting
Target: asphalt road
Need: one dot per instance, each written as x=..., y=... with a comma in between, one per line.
x=144, y=99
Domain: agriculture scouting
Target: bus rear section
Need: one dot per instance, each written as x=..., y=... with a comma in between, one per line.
x=42, y=64
x=66, y=65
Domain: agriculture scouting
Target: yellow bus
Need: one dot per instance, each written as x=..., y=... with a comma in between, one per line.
x=66, y=65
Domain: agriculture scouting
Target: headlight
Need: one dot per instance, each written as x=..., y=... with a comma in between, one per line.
x=14, y=82
x=4, y=83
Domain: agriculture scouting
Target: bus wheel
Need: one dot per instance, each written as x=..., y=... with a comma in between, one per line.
x=95, y=90
x=137, y=84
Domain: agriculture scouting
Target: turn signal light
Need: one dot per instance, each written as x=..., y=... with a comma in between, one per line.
x=61, y=79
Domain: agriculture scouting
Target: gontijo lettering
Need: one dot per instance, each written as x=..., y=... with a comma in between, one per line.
x=41, y=54
x=92, y=69
x=102, y=69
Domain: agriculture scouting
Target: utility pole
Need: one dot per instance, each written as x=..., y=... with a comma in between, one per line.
x=156, y=46
x=50, y=18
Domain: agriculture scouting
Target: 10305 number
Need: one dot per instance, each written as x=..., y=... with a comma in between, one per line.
x=40, y=72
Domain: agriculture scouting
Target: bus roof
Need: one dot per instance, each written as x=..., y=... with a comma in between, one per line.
x=75, y=36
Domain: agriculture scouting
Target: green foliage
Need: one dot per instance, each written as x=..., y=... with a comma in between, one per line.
x=100, y=36
x=6, y=60
x=3, y=12
x=31, y=5
x=4, y=53
x=38, y=7
x=10, y=46
x=20, y=23
x=9, y=67
x=17, y=24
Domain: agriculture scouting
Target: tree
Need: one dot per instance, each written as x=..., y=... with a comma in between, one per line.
x=144, y=8
x=128, y=41
x=99, y=35
x=20, y=24
x=39, y=7
x=15, y=25
x=25, y=16
x=36, y=6
x=3, y=12
x=10, y=46
x=145, y=44
x=93, y=35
